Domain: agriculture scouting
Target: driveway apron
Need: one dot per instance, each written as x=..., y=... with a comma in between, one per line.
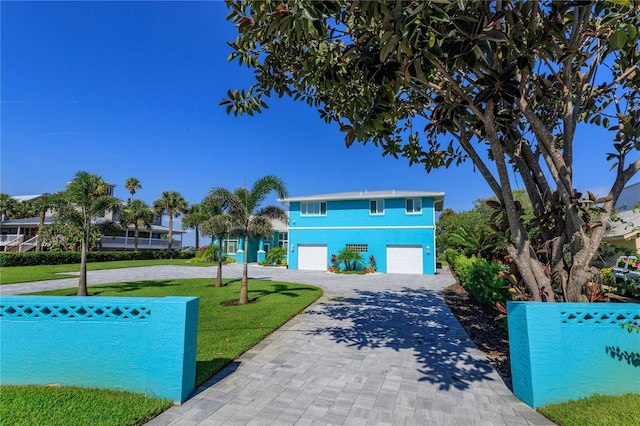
x=379, y=349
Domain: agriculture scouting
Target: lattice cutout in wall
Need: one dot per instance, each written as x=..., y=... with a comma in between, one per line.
x=596, y=316
x=84, y=311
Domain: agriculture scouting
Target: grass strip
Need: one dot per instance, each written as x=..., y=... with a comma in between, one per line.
x=24, y=274
x=71, y=406
x=597, y=410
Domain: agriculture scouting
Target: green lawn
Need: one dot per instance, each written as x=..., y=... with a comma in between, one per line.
x=68, y=406
x=596, y=411
x=23, y=274
x=224, y=333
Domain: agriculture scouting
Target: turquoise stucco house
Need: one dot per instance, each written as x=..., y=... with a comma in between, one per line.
x=397, y=227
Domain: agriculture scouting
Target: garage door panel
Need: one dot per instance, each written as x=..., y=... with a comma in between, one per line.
x=404, y=259
x=312, y=257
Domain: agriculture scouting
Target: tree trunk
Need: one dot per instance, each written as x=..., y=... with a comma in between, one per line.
x=219, y=277
x=244, y=290
x=40, y=228
x=82, y=280
x=170, y=229
x=135, y=239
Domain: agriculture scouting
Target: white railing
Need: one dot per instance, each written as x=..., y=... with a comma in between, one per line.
x=8, y=241
x=143, y=243
x=29, y=245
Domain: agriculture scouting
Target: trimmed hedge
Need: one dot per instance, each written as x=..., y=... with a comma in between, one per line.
x=72, y=257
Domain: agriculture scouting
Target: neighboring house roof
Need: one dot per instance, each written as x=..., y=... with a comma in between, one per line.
x=438, y=197
x=629, y=197
x=34, y=221
x=627, y=227
x=23, y=198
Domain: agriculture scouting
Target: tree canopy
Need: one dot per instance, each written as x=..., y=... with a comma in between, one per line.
x=503, y=84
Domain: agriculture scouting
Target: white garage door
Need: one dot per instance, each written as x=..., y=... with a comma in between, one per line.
x=404, y=260
x=312, y=257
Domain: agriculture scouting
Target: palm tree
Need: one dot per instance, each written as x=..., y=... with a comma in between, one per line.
x=136, y=213
x=193, y=218
x=249, y=219
x=131, y=185
x=219, y=227
x=475, y=240
x=87, y=199
x=172, y=203
x=42, y=205
x=7, y=205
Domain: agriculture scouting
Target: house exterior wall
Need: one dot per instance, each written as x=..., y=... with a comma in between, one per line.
x=350, y=222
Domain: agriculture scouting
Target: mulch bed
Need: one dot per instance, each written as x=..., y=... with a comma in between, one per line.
x=479, y=324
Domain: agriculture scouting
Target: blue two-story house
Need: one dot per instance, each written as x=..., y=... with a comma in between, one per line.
x=396, y=227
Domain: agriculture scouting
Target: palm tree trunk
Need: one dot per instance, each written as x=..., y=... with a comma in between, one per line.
x=82, y=280
x=135, y=238
x=219, y=278
x=244, y=290
x=170, y=228
x=40, y=228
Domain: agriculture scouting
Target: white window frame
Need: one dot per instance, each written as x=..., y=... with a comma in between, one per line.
x=414, y=202
x=227, y=242
x=321, y=205
x=283, y=240
x=378, y=211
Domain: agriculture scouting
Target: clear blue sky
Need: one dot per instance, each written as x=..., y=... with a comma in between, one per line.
x=131, y=89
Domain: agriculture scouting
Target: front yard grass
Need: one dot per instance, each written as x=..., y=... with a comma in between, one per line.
x=224, y=333
x=69, y=406
x=596, y=411
x=24, y=274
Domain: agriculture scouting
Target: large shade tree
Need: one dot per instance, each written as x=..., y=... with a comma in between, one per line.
x=86, y=200
x=250, y=220
x=444, y=82
x=173, y=204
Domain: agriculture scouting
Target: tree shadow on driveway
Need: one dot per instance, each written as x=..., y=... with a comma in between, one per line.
x=409, y=319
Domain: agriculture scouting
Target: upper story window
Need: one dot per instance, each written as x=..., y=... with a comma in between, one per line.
x=414, y=205
x=318, y=208
x=376, y=207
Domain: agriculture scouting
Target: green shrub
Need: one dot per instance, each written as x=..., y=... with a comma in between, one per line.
x=450, y=255
x=607, y=276
x=481, y=279
x=485, y=285
x=72, y=257
x=462, y=265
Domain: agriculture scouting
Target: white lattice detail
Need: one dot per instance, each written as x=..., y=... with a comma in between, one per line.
x=596, y=316
x=81, y=311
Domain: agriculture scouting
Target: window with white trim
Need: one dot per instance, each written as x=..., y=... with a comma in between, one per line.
x=230, y=246
x=317, y=208
x=361, y=248
x=376, y=207
x=414, y=205
x=283, y=240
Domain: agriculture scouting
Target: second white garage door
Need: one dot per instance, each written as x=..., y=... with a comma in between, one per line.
x=312, y=257
x=404, y=260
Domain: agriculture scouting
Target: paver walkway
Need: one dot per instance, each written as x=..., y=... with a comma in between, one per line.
x=378, y=349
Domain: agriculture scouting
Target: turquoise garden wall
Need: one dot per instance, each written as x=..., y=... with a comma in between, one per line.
x=568, y=351
x=143, y=345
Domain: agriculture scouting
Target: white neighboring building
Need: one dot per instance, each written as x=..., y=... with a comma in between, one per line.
x=21, y=235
